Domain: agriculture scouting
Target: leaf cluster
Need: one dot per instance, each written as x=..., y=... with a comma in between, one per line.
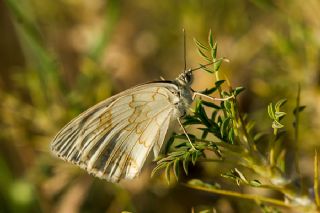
x=208, y=118
x=231, y=137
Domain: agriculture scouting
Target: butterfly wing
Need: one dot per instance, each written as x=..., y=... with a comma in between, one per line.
x=112, y=139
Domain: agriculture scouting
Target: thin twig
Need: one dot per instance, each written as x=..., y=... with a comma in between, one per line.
x=240, y=195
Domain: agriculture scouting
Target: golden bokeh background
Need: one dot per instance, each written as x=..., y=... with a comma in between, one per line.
x=57, y=58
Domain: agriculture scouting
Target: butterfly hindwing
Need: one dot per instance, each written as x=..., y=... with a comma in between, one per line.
x=113, y=138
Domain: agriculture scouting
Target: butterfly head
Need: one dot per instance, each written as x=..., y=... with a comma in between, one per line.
x=185, y=78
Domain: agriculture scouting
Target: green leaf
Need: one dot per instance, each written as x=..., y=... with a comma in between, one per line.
x=176, y=154
x=258, y=136
x=209, y=91
x=219, y=83
x=217, y=64
x=255, y=183
x=204, y=134
x=185, y=162
x=268, y=209
x=224, y=127
x=231, y=136
x=281, y=163
x=214, y=51
x=277, y=125
x=279, y=104
x=200, y=45
x=210, y=39
x=191, y=120
x=214, y=115
x=298, y=109
x=214, y=128
x=205, y=68
x=197, y=182
x=167, y=172
x=210, y=104
x=203, y=55
x=250, y=126
x=203, y=116
x=240, y=175
x=217, y=151
x=198, y=106
x=194, y=157
x=157, y=168
x=227, y=105
x=169, y=143
x=270, y=111
x=238, y=90
x=176, y=169
x=279, y=115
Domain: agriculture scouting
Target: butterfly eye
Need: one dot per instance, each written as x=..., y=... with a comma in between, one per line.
x=189, y=77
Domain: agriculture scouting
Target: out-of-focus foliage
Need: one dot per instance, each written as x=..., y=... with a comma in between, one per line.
x=57, y=58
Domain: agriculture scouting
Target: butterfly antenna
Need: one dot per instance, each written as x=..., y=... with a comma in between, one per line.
x=201, y=66
x=184, y=50
x=205, y=65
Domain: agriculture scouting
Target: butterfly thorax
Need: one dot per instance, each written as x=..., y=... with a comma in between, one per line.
x=185, y=92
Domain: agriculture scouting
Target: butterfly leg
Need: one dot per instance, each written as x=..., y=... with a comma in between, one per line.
x=209, y=97
x=185, y=132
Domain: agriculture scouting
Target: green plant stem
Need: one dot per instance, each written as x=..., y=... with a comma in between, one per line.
x=220, y=144
x=316, y=179
x=255, y=161
x=296, y=136
x=240, y=195
x=249, y=141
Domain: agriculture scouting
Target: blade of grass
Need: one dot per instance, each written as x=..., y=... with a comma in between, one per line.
x=38, y=58
x=112, y=11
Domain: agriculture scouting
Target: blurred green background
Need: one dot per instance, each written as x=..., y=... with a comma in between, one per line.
x=57, y=58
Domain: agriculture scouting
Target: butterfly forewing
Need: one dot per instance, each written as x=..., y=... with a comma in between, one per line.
x=113, y=138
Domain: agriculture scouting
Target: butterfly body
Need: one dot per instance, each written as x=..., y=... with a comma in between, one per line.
x=112, y=139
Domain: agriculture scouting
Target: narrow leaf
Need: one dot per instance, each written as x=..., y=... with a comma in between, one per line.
x=199, y=44
x=258, y=136
x=279, y=104
x=194, y=157
x=167, y=172
x=210, y=39
x=209, y=91
x=204, y=56
x=204, y=134
x=255, y=183
x=231, y=136
x=279, y=115
x=238, y=90
x=270, y=111
x=205, y=68
x=224, y=127
x=169, y=143
x=277, y=125
x=298, y=109
x=214, y=51
x=210, y=104
x=157, y=168
x=186, y=162
x=219, y=83
x=176, y=169
x=214, y=115
x=217, y=64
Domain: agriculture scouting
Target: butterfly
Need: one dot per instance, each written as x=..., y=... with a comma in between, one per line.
x=112, y=139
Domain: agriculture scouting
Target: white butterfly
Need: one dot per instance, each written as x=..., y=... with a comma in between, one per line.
x=112, y=139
